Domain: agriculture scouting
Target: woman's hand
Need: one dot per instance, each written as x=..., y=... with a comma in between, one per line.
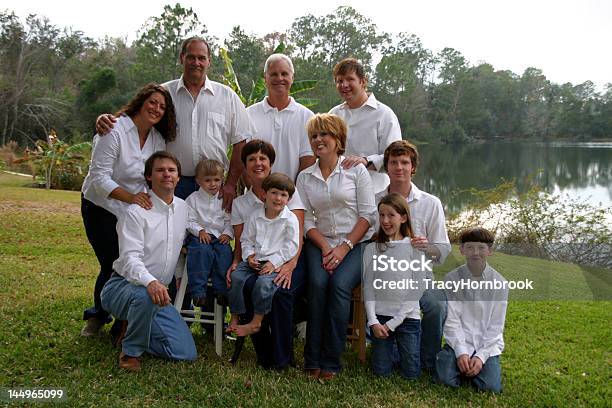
x=284, y=274
x=334, y=257
x=143, y=200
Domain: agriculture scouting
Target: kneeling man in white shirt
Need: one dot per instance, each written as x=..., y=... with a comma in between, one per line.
x=149, y=245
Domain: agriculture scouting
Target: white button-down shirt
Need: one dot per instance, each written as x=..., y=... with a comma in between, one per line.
x=371, y=128
x=118, y=161
x=207, y=126
x=400, y=304
x=334, y=206
x=275, y=240
x=150, y=241
x=427, y=219
x=206, y=213
x=476, y=326
x=285, y=130
x=245, y=205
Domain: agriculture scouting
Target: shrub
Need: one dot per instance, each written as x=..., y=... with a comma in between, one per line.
x=538, y=224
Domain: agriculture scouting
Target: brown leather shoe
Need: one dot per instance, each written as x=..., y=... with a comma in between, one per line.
x=313, y=372
x=327, y=375
x=128, y=362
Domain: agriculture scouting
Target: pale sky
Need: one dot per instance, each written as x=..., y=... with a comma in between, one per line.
x=570, y=40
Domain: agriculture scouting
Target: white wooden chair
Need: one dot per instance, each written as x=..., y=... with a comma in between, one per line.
x=215, y=318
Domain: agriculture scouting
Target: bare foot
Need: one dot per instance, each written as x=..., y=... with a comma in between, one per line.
x=247, y=329
x=233, y=324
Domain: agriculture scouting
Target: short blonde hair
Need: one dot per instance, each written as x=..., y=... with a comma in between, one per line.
x=331, y=124
x=209, y=167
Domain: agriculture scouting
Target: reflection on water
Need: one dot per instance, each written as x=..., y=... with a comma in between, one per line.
x=582, y=170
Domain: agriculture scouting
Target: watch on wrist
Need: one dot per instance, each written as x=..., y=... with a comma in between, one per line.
x=348, y=243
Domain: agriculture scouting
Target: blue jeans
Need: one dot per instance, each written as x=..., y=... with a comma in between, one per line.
x=407, y=336
x=159, y=331
x=329, y=307
x=204, y=261
x=488, y=379
x=186, y=185
x=261, y=295
x=433, y=305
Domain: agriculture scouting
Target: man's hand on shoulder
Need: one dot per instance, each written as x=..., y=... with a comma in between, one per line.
x=158, y=293
x=105, y=123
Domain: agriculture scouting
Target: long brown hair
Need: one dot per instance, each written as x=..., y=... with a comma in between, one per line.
x=399, y=204
x=167, y=125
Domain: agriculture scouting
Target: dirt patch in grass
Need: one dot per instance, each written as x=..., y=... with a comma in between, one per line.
x=37, y=206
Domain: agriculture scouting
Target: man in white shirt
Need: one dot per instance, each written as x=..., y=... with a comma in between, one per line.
x=210, y=118
x=372, y=125
x=281, y=121
x=400, y=160
x=149, y=245
x=474, y=326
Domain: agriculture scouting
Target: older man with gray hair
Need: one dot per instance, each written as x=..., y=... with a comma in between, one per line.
x=281, y=121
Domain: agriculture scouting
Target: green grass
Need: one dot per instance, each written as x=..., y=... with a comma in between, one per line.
x=558, y=353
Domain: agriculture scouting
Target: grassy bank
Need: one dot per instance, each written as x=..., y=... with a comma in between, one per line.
x=558, y=353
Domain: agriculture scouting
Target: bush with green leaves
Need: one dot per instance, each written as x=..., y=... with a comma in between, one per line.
x=538, y=224
x=57, y=164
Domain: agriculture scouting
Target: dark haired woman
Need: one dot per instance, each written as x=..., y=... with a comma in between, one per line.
x=116, y=180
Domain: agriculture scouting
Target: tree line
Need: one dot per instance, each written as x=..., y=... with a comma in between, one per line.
x=58, y=79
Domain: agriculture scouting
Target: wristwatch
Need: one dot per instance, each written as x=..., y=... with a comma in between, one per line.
x=348, y=243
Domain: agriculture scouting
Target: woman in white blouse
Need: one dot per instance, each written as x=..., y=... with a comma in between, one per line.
x=340, y=212
x=116, y=180
x=274, y=341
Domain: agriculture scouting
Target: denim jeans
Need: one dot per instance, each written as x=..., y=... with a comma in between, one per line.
x=100, y=228
x=159, y=331
x=407, y=336
x=207, y=261
x=489, y=378
x=329, y=307
x=433, y=305
x=261, y=295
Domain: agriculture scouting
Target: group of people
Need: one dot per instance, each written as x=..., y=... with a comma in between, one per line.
x=320, y=188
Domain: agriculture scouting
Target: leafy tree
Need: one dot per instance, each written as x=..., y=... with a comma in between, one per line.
x=159, y=41
x=248, y=55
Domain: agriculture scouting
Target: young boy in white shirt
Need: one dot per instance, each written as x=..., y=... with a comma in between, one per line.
x=208, y=245
x=475, y=322
x=270, y=238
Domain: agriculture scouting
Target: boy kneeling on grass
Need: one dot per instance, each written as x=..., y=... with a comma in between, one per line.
x=475, y=322
x=270, y=238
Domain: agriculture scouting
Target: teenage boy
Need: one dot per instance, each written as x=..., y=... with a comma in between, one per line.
x=401, y=160
x=270, y=238
x=474, y=326
x=149, y=245
x=372, y=125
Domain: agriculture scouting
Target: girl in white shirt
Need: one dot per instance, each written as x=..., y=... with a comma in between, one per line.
x=340, y=211
x=116, y=180
x=392, y=290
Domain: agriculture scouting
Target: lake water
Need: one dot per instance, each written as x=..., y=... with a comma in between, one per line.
x=581, y=170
